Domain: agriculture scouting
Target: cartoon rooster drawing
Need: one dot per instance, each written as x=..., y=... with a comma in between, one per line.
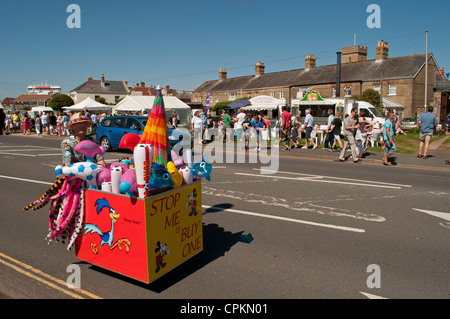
x=107, y=237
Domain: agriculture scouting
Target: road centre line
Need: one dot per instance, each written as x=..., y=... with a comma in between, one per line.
x=18, y=154
x=358, y=230
x=298, y=221
x=309, y=179
x=26, y=180
x=25, y=270
x=332, y=177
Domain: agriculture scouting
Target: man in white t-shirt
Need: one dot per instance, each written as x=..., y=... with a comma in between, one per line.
x=44, y=119
x=238, y=125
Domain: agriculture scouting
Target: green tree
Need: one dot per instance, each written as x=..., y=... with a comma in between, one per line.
x=59, y=101
x=372, y=96
x=100, y=100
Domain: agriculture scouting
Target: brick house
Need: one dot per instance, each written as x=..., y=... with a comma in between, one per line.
x=112, y=91
x=400, y=80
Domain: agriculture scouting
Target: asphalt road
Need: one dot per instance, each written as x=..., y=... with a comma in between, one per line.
x=320, y=229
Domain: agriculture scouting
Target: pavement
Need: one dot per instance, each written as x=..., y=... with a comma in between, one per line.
x=435, y=162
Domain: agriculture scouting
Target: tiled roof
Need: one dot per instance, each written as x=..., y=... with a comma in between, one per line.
x=95, y=86
x=33, y=98
x=393, y=68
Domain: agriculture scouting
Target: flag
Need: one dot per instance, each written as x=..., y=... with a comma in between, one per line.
x=207, y=100
x=447, y=75
x=156, y=133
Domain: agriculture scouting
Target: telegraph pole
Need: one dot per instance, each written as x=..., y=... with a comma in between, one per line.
x=426, y=69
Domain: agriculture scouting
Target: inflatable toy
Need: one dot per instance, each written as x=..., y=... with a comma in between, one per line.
x=202, y=168
x=116, y=175
x=175, y=174
x=84, y=170
x=128, y=182
x=143, y=154
x=129, y=140
x=160, y=177
x=188, y=178
x=89, y=149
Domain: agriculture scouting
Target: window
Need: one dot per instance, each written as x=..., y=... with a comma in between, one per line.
x=217, y=98
x=392, y=88
x=272, y=94
x=232, y=96
x=377, y=87
x=334, y=92
x=348, y=91
x=282, y=94
x=133, y=124
x=116, y=98
x=107, y=122
x=118, y=123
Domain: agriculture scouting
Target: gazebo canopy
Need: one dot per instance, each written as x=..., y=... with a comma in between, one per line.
x=88, y=105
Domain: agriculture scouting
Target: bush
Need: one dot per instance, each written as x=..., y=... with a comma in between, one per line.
x=414, y=130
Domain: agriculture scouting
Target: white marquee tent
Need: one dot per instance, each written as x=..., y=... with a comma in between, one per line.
x=41, y=109
x=145, y=103
x=264, y=102
x=88, y=105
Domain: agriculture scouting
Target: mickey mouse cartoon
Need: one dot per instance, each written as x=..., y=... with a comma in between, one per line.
x=160, y=253
x=192, y=202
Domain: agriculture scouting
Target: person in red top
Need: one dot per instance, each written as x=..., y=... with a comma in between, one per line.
x=285, y=127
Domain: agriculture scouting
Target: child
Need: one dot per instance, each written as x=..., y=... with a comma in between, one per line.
x=58, y=128
x=259, y=126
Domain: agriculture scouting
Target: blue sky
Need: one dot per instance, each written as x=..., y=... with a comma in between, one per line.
x=183, y=43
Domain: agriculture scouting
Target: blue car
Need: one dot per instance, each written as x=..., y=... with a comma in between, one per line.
x=111, y=130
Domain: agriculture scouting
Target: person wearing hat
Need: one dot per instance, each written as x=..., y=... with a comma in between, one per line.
x=78, y=124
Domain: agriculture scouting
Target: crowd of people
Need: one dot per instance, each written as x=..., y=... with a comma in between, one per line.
x=354, y=132
x=42, y=123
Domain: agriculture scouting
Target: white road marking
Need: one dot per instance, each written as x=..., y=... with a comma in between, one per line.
x=312, y=179
x=344, y=228
x=25, y=180
x=338, y=178
x=370, y=296
x=445, y=216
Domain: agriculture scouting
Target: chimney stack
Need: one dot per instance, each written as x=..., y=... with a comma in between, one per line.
x=90, y=78
x=142, y=84
x=382, y=51
x=102, y=81
x=310, y=62
x=356, y=53
x=259, y=68
x=222, y=74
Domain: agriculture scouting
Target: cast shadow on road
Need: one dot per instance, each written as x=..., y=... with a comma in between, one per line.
x=216, y=243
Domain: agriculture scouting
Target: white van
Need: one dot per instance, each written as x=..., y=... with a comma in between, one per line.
x=346, y=105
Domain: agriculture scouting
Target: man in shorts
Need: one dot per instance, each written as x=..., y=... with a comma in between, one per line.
x=427, y=125
x=388, y=137
x=309, y=124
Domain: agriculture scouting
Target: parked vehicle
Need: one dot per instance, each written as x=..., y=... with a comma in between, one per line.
x=408, y=123
x=111, y=130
